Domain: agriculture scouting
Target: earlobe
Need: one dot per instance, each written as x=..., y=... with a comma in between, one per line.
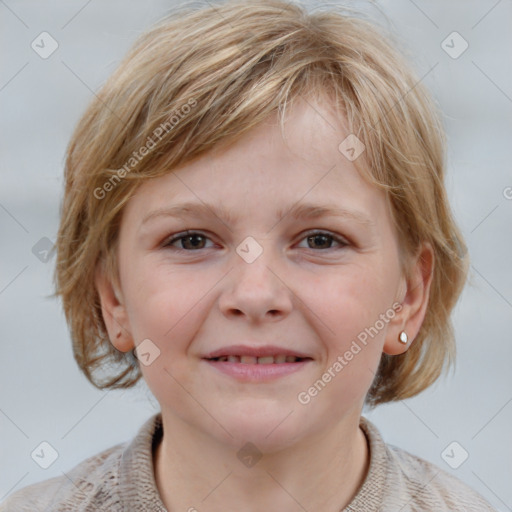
x=397, y=345
x=405, y=326
x=113, y=311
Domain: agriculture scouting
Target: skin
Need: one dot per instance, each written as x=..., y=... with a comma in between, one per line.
x=314, y=295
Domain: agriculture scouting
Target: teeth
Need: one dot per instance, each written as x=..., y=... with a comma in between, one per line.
x=248, y=360
x=279, y=359
x=266, y=360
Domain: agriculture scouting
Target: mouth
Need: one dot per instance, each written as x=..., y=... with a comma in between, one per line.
x=256, y=364
x=277, y=359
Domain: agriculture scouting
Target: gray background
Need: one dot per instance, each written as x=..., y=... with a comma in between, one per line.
x=44, y=397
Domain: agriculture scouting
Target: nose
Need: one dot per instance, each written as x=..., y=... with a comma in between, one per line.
x=256, y=291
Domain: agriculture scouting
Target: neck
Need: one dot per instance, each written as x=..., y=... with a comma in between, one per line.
x=322, y=472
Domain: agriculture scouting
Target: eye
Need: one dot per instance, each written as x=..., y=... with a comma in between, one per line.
x=322, y=239
x=189, y=241
x=192, y=240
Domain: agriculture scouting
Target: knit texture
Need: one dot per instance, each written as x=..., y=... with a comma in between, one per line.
x=121, y=478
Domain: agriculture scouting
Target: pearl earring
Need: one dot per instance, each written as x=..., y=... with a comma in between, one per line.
x=403, y=337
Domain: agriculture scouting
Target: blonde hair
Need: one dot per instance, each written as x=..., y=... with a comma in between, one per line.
x=234, y=64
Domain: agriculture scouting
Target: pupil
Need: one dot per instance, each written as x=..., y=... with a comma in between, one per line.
x=196, y=240
x=319, y=238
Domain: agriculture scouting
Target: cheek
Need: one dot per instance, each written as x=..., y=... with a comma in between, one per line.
x=350, y=300
x=168, y=308
x=165, y=304
x=352, y=304
x=349, y=306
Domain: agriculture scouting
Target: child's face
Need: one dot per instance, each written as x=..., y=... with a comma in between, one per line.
x=311, y=295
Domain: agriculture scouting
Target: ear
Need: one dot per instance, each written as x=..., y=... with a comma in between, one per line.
x=414, y=304
x=114, y=311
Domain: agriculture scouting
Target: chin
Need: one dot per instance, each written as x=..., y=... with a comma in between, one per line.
x=269, y=431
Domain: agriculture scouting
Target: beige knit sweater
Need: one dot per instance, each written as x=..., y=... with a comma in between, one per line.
x=121, y=478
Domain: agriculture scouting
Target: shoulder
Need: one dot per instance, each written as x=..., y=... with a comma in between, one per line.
x=87, y=484
x=431, y=487
x=412, y=484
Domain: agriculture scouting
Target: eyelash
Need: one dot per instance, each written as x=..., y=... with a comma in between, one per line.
x=168, y=244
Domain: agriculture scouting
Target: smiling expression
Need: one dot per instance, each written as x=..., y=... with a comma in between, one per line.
x=325, y=265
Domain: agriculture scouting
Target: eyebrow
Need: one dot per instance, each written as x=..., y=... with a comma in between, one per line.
x=298, y=211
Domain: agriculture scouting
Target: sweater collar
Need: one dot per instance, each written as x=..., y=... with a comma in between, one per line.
x=137, y=482
x=138, y=490
x=370, y=496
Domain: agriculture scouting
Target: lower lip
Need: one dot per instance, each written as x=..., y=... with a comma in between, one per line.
x=257, y=372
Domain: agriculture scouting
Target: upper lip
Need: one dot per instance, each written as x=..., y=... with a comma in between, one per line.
x=261, y=351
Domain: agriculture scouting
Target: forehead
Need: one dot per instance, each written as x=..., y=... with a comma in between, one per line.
x=263, y=174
